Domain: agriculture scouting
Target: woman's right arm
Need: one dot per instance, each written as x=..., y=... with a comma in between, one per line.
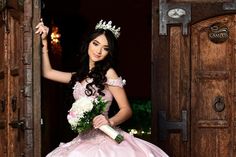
x=47, y=71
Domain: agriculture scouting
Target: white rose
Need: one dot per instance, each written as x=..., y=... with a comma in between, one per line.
x=83, y=104
x=78, y=108
x=73, y=122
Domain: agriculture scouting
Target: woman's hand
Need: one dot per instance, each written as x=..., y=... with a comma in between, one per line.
x=99, y=121
x=42, y=30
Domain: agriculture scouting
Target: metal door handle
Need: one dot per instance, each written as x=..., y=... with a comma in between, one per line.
x=18, y=124
x=219, y=104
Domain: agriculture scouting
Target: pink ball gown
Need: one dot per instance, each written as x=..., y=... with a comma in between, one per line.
x=97, y=144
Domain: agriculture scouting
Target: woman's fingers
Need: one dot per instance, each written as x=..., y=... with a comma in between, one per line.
x=99, y=121
x=39, y=30
x=39, y=24
x=42, y=30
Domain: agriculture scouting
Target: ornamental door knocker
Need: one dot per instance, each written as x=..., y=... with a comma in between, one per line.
x=218, y=33
x=219, y=104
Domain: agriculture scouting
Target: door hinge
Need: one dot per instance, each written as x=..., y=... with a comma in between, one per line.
x=166, y=126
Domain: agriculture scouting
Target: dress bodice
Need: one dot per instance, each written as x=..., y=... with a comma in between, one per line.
x=80, y=87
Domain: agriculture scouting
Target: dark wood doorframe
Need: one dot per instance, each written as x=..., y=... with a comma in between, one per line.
x=36, y=80
x=32, y=79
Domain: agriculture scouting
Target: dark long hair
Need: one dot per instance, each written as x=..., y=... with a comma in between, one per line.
x=97, y=74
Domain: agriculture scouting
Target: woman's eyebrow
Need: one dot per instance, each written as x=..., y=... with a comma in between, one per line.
x=99, y=42
x=96, y=41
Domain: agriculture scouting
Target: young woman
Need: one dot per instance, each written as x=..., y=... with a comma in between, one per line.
x=96, y=77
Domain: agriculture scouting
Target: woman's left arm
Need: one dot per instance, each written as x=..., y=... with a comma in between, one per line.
x=125, y=111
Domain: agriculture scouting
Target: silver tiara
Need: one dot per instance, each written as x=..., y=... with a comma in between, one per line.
x=102, y=25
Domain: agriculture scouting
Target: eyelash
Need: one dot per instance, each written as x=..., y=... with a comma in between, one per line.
x=96, y=44
x=106, y=49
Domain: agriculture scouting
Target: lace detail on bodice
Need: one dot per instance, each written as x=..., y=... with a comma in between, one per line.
x=79, y=89
x=116, y=82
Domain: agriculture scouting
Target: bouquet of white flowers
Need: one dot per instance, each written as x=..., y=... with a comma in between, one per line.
x=82, y=113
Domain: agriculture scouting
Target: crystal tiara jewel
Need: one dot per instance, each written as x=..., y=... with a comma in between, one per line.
x=107, y=26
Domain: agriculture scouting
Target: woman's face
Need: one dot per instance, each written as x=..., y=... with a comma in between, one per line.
x=98, y=49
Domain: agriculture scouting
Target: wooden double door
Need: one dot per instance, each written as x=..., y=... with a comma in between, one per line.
x=12, y=124
x=194, y=95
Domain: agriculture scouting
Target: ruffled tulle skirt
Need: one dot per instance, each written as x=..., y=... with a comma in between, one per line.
x=97, y=144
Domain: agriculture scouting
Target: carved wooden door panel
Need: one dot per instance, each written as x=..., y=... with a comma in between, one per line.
x=15, y=71
x=213, y=87
x=11, y=83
